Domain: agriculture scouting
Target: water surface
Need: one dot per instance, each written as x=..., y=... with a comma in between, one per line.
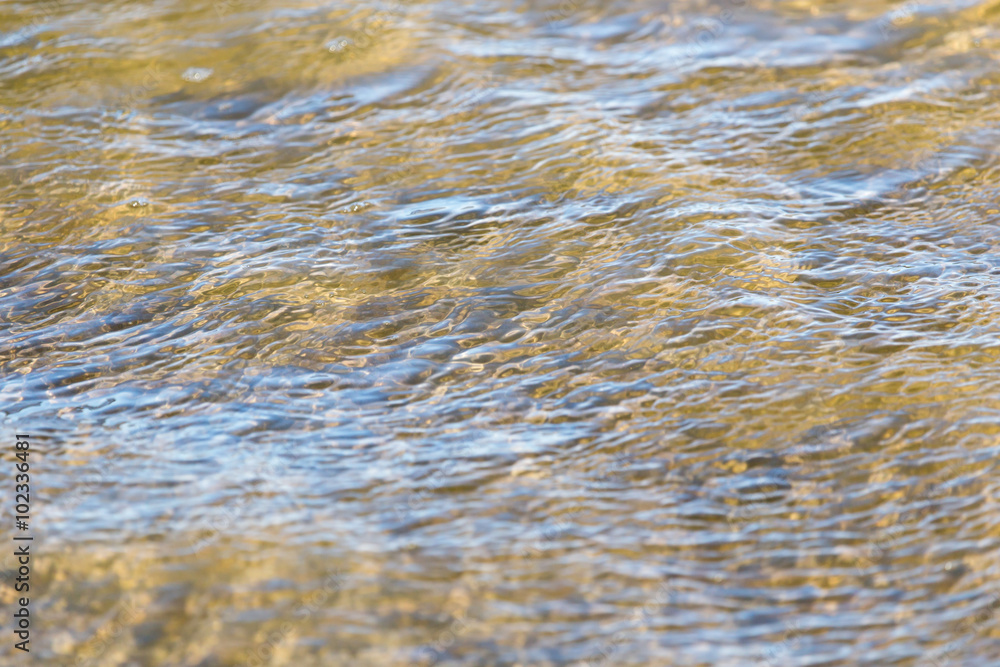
x=505, y=333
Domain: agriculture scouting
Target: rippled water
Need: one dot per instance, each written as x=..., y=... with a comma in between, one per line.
x=625, y=333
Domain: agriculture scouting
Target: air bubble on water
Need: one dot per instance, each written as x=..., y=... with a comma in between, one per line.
x=138, y=203
x=357, y=208
x=196, y=74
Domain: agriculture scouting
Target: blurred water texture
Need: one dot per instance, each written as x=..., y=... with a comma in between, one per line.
x=504, y=333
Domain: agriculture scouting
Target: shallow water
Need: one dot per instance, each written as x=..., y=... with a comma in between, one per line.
x=627, y=333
